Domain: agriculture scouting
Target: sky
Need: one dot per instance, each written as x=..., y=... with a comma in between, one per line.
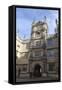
x=25, y=17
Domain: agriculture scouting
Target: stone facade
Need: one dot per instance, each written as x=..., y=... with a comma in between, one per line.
x=53, y=56
x=22, y=58
x=39, y=56
x=38, y=50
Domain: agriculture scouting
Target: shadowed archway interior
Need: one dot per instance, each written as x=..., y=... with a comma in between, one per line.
x=37, y=70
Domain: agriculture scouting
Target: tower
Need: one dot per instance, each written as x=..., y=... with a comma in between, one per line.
x=38, y=51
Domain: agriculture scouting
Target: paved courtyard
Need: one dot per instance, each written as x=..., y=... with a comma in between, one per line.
x=35, y=79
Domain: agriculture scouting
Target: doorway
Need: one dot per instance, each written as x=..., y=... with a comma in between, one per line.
x=37, y=70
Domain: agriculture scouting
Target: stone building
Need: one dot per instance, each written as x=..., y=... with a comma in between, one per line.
x=39, y=56
x=22, y=58
x=53, y=55
x=38, y=49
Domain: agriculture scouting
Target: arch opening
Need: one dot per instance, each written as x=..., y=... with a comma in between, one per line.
x=37, y=70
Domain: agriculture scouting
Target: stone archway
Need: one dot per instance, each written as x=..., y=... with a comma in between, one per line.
x=37, y=70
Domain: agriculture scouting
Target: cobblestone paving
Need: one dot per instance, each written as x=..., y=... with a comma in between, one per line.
x=35, y=79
